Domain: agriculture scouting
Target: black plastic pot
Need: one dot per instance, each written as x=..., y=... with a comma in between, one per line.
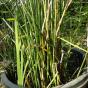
x=6, y=81
x=80, y=82
x=74, y=61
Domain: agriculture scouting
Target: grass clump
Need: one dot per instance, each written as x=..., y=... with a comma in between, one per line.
x=36, y=30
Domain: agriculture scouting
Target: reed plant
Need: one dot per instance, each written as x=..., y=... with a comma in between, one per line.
x=38, y=49
x=35, y=29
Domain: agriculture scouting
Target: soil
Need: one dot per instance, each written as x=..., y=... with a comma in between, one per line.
x=2, y=85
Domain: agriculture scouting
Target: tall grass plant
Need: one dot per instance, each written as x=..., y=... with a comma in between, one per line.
x=35, y=26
